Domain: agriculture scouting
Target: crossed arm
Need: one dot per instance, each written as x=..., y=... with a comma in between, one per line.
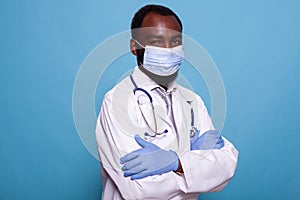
x=212, y=171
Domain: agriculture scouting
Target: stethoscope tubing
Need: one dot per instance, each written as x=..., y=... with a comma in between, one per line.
x=192, y=131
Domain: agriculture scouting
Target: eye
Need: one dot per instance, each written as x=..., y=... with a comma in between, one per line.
x=176, y=42
x=155, y=42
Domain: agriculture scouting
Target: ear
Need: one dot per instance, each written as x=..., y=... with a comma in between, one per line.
x=133, y=47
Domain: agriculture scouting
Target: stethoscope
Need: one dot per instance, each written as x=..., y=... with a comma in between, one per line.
x=154, y=131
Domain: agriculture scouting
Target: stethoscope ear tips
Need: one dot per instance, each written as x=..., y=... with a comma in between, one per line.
x=165, y=131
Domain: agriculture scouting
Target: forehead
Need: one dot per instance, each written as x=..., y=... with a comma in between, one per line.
x=160, y=21
x=158, y=24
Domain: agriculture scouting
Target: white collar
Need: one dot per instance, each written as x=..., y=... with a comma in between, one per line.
x=143, y=81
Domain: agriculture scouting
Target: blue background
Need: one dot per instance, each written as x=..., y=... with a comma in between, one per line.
x=255, y=44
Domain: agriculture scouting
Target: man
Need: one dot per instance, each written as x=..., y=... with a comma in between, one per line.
x=155, y=137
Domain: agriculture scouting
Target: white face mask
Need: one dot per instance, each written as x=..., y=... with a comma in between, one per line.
x=162, y=61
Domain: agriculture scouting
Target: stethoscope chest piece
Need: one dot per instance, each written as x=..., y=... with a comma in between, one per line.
x=193, y=131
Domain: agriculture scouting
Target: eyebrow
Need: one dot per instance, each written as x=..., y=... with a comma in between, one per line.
x=153, y=36
x=178, y=35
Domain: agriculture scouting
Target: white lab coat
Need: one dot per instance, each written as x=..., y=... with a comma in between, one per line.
x=120, y=119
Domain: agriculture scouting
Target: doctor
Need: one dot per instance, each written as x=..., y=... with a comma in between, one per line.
x=155, y=138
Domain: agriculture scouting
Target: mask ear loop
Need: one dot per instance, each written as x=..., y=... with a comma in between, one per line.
x=139, y=61
x=139, y=43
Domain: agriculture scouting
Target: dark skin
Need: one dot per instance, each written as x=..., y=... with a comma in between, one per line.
x=165, y=32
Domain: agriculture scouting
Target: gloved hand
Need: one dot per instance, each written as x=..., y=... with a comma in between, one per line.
x=148, y=160
x=208, y=140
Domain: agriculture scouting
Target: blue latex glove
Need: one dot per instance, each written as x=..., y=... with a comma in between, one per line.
x=209, y=140
x=148, y=160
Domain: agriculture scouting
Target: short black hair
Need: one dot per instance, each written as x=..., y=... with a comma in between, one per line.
x=139, y=16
